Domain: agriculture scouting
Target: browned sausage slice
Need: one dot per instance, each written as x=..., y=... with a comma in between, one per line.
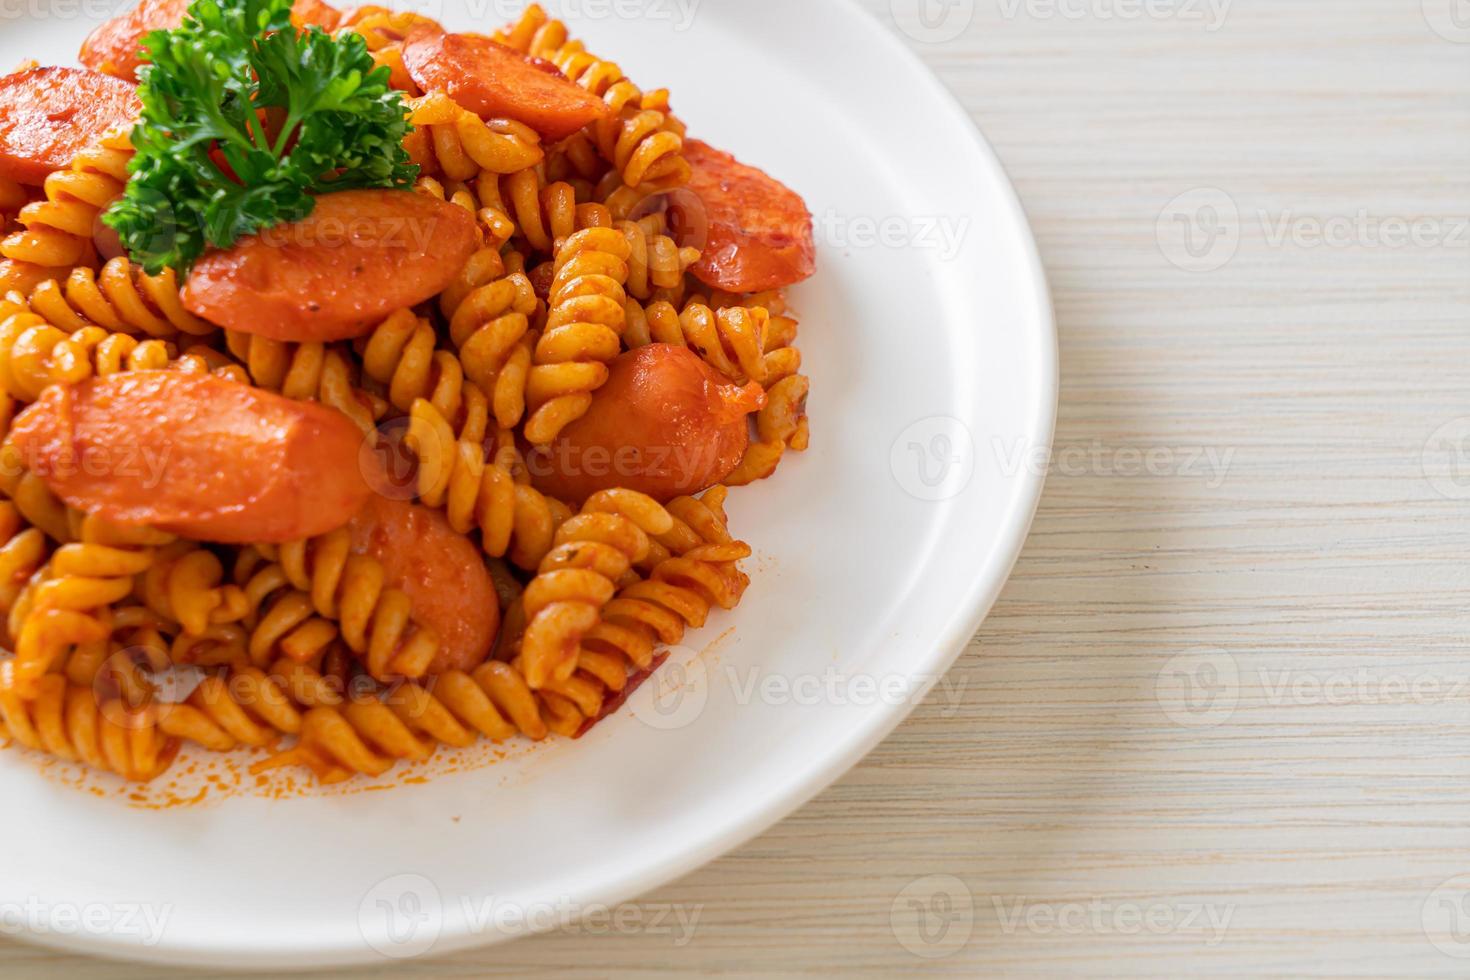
x=441, y=571
x=665, y=424
x=760, y=231
x=494, y=81
x=337, y=273
x=116, y=47
x=49, y=115
x=195, y=455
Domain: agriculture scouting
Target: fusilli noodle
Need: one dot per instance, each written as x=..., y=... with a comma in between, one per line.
x=71, y=722
x=514, y=520
x=184, y=584
x=57, y=232
x=308, y=372
x=367, y=734
x=584, y=330
x=452, y=141
x=59, y=607
x=489, y=311
x=349, y=591
x=34, y=354
x=122, y=298
x=592, y=554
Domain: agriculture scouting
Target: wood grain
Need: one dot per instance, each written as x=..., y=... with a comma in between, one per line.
x=1094, y=823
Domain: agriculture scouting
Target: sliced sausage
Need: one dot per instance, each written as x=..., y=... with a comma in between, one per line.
x=337, y=273
x=494, y=81
x=49, y=115
x=760, y=231
x=665, y=424
x=116, y=47
x=442, y=572
x=195, y=455
x=315, y=13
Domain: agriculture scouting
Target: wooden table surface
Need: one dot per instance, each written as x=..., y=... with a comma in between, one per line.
x=1219, y=723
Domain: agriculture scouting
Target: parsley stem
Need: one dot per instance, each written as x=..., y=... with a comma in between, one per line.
x=256, y=126
x=287, y=128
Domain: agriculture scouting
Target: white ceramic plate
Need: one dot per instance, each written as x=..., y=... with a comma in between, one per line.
x=878, y=553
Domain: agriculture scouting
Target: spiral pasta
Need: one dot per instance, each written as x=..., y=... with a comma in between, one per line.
x=201, y=359
x=135, y=648
x=122, y=298
x=314, y=372
x=544, y=214
x=450, y=140
x=36, y=503
x=403, y=355
x=780, y=426
x=732, y=341
x=584, y=330
x=70, y=721
x=281, y=620
x=347, y=592
x=59, y=607
x=698, y=571
x=496, y=226
x=514, y=519
x=35, y=354
x=644, y=145
x=57, y=232
x=592, y=555
x=489, y=310
x=21, y=556
x=245, y=706
x=369, y=733
x=185, y=584
x=656, y=263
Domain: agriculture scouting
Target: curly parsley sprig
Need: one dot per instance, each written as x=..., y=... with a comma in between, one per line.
x=244, y=119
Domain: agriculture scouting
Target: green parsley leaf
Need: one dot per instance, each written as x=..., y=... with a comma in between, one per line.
x=244, y=120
